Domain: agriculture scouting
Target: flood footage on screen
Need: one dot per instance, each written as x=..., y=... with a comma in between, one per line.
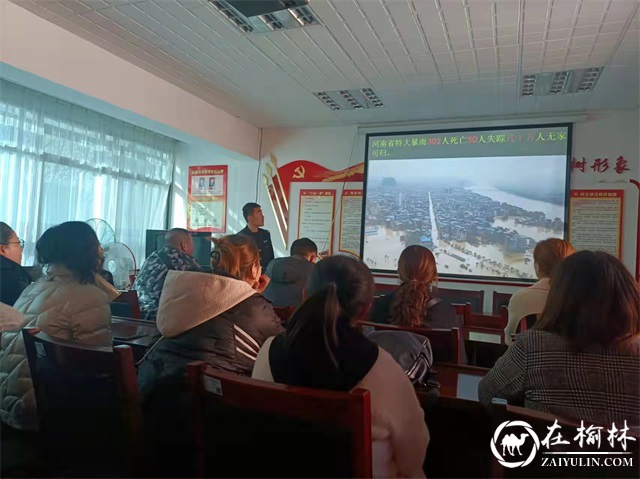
x=480, y=216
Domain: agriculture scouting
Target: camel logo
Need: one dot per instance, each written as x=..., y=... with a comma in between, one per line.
x=299, y=172
x=512, y=455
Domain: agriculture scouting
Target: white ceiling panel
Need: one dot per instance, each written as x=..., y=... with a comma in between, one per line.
x=426, y=59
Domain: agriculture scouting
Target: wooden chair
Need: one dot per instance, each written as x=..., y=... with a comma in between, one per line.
x=483, y=354
x=126, y=305
x=500, y=300
x=488, y=321
x=461, y=296
x=541, y=423
x=527, y=323
x=445, y=343
x=463, y=311
x=289, y=431
x=88, y=406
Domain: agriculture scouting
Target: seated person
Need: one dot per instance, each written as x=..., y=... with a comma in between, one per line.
x=10, y=319
x=70, y=302
x=105, y=274
x=177, y=255
x=530, y=301
x=220, y=318
x=416, y=302
x=582, y=358
x=288, y=276
x=324, y=348
x=13, y=277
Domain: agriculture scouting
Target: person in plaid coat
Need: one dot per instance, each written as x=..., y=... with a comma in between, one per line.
x=582, y=359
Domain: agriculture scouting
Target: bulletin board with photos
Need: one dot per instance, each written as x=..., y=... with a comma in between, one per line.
x=207, y=202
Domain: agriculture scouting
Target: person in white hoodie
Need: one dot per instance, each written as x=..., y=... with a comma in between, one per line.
x=323, y=348
x=220, y=318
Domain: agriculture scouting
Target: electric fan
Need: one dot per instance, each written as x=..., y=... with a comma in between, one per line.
x=103, y=230
x=120, y=261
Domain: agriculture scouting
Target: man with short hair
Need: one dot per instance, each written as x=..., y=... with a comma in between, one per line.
x=176, y=254
x=289, y=275
x=254, y=217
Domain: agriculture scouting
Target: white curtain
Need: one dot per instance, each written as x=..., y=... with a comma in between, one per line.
x=61, y=162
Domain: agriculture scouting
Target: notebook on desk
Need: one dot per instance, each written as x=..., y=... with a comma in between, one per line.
x=468, y=386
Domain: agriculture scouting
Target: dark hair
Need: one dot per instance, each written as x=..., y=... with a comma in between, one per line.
x=73, y=245
x=340, y=293
x=549, y=253
x=417, y=271
x=5, y=233
x=303, y=247
x=593, y=301
x=235, y=255
x=247, y=210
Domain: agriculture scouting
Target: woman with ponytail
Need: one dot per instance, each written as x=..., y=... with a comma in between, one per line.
x=219, y=318
x=324, y=348
x=415, y=302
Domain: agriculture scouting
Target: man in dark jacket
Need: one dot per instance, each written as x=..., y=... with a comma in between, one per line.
x=13, y=277
x=254, y=217
x=289, y=275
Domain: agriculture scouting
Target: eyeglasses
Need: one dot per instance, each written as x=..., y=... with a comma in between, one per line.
x=20, y=242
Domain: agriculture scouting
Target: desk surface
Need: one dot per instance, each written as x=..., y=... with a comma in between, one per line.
x=133, y=332
x=459, y=381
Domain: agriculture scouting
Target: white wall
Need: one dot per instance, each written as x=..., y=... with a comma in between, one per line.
x=601, y=134
x=31, y=44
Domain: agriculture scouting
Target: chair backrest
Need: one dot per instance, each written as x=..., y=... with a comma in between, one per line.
x=483, y=354
x=526, y=323
x=463, y=311
x=500, y=300
x=126, y=305
x=489, y=321
x=87, y=399
x=445, y=343
x=457, y=296
x=541, y=423
x=278, y=427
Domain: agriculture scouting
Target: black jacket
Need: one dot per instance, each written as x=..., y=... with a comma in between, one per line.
x=440, y=313
x=13, y=280
x=263, y=240
x=208, y=317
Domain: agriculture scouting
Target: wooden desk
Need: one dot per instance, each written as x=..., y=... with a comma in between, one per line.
x=458, y=381
x=136, y=333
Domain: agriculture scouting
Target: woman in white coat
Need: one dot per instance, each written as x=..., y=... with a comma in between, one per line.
x=70, y=302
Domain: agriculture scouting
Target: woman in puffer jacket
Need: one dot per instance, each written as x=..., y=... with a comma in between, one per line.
x=219, y=318
x=70, y=302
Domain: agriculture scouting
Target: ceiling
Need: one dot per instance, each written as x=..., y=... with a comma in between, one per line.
x=426, y=59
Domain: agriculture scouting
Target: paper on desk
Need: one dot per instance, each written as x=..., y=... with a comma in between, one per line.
x=485, y=337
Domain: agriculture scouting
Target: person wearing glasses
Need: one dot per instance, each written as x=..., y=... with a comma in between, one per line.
x=13, y=277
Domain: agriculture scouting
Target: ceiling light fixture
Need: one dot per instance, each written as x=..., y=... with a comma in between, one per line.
x=327, y=100
x=559, y=83
x=528, y=85
x=239, y=20
x=350, y=99
x=372, y=97
x=589, y=79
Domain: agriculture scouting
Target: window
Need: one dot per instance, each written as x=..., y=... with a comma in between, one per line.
x=61, y=162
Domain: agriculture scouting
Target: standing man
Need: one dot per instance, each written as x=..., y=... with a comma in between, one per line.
x=176, y=254
x=254, y=217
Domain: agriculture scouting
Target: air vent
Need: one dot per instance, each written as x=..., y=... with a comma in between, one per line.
x=560, y=83
x=296, y=16
x=350, y=99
